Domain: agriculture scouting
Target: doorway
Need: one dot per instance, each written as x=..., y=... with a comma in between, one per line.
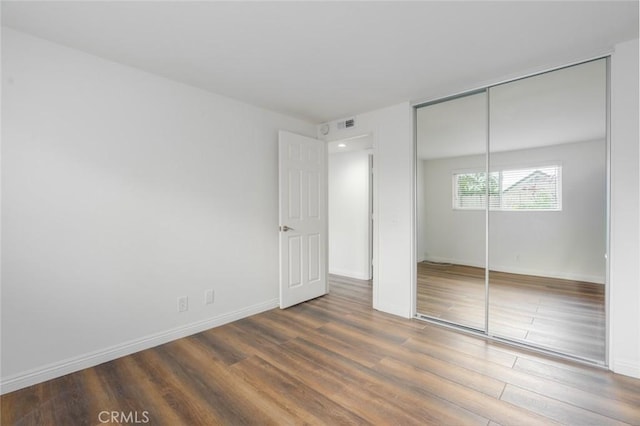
x=350, y=172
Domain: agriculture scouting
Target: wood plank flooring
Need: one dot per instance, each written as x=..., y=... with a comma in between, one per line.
x=331, y=361
x=562, y=315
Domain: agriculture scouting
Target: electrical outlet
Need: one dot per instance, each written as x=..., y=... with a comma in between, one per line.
x=209, y=296
x=183, y=304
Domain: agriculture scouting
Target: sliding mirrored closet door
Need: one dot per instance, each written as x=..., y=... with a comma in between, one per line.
x=451, y=163
x=511, y=210
x=547, y=218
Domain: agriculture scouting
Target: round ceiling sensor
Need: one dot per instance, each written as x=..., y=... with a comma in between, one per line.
x=324, y=129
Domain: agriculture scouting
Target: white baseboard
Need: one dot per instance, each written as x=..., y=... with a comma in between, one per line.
x=350, y=274
x=437, y=259
x=392, y=309
x=71, y=365
x=625, y=367
x=525, y=271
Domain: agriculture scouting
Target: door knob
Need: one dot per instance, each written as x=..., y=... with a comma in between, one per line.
x=285, y=228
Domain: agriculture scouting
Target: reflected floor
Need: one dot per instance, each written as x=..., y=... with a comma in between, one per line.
x=562, y=315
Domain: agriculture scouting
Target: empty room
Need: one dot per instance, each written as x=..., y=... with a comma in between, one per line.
x=222, y=213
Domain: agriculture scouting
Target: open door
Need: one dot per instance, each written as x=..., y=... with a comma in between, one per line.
x=303, y=218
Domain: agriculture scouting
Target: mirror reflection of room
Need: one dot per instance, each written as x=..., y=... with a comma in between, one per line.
x=541, y=208
x=452, y=142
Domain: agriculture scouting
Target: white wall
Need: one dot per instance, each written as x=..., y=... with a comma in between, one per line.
x=122, y=191
x=624, y=296
x=349, y=238
x=568, y=244
x=453, y=236
x=393, y=204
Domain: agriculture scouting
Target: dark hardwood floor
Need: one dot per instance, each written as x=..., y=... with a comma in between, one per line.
x=332, y=360
x=561, y=315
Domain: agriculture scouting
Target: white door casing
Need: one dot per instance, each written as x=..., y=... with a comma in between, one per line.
x=303, y=218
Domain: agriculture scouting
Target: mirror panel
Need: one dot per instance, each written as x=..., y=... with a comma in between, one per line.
x=451, y=216
x=547, y=218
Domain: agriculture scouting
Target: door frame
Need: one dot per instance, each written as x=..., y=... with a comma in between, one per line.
x=368, y=151
x=373, y=184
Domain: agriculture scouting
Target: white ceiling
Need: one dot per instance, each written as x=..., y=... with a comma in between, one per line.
x=325, y=60
x=564, y=106
x=355, y=143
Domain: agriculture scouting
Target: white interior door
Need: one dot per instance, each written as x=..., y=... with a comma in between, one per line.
x=303, y=218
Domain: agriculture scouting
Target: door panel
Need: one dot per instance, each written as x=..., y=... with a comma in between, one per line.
x=303, y=218
x=451, y=199
x=294, y=260
x=547, y=224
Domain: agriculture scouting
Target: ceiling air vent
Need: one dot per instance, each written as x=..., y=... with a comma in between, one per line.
x=347, y=124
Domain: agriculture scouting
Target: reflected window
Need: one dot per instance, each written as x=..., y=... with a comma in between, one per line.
x=525, y=189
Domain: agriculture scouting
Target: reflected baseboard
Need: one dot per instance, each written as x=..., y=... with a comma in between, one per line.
x=562, y=275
